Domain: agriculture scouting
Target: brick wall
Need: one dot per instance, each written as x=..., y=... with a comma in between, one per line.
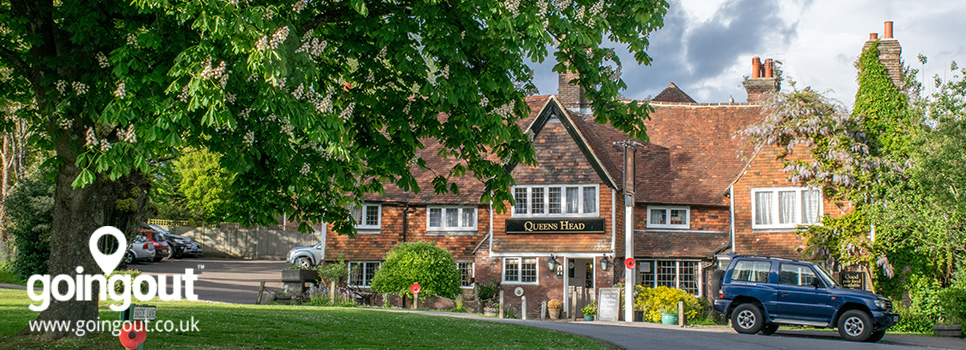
x=766, y=171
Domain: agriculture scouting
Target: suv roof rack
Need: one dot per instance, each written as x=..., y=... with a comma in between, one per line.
x=761, y=257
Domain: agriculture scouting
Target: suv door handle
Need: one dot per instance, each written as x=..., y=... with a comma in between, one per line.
x=786, y=292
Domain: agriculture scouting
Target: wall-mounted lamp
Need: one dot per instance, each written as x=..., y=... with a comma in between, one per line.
x=604, y=263
x=552, y=263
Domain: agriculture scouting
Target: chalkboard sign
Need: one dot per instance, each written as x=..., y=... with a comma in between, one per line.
x=608, y=304
x=853, y=280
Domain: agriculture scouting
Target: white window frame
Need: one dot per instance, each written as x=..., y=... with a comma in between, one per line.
x=366, y=282
x=472, y=269
x=519, y=269
x=776, y=212
x=652, y=283
x=563, y=201
x=459, y=225
x=667, y=210
x=361, y=224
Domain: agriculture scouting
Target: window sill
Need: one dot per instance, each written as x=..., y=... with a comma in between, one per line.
x=367, y=230
x=468, y=232
x=672, y=227
x=521, y=283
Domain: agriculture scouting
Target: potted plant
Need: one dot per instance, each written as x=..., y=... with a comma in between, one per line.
x=553, y=308
x=294, y=274
x=491, y=308
x=669, y=315
x=589, y=311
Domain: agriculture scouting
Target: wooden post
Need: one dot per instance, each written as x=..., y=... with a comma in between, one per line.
x=681, y=317
x=573, y=305
x=416, y=301
x=332, y=292
x=501, y=303
x=543, y=310
x=523, y=308
x=261, y=289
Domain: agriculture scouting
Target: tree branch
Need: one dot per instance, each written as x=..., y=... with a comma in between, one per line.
x=14, y=60
x=341, y=13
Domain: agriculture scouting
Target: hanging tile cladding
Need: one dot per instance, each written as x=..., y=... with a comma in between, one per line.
x=375, y=246
x=765, y=170
x=560, y=161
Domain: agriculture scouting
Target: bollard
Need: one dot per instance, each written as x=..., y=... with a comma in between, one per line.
x=332, y=292
x=573, y=306
x=681, y=317
x=523, y=308
x=416, y=301
x=543, y=310
x=501, y=303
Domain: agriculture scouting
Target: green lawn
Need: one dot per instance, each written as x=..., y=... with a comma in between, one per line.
x=225, y=326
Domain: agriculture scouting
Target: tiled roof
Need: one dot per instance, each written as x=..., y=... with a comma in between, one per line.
x=673, y=94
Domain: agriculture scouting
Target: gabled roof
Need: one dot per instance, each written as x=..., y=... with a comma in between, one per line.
x=673, y=94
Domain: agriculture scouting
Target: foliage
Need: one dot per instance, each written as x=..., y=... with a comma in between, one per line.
x=910, y=320
x=119, y=286
x=418, y=262
x=554, y=304
x=30, y=210
x=205, y=184
x=953, y=305
x=653, y=301
x=459, y=306
x=337, y=271
x=487, y=291
x=590, y=309
x=491, y=304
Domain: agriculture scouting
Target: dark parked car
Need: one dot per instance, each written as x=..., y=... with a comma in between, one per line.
x=759, y=293
x=180, y=246
x=161, y=247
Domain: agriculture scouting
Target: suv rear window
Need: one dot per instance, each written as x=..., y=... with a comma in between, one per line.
x=796, y=275
x=751, y=271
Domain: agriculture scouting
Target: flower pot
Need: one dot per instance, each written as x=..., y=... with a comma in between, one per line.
x=954, y=331
x=296, y=276
x=490, y=311
x=588, y=317
x=554, y=313
x=669, y=318
x=638, y=316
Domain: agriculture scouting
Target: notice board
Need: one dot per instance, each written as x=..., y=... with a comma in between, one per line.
x=608, y=304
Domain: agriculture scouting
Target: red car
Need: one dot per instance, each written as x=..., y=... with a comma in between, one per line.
x=161, y=248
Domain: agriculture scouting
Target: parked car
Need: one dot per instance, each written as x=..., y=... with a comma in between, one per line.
x=161, y=247
x=759, y=293
x=305, y=257
x=180, y=246
x=139, y=250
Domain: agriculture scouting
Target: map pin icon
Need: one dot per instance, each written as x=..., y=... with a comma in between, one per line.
x=108, y=262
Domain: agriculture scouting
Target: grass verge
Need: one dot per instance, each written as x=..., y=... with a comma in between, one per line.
x=229, y=326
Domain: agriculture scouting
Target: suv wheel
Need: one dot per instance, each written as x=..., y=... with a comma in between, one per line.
x=747, y=319
x=769, y=329
x=876, y=336
x=303, y=263
x=855, y=325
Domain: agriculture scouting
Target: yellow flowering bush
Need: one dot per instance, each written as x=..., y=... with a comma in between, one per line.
x=655, y=301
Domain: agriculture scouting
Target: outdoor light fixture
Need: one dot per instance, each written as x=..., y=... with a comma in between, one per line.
x=604, y=263
x=552, y=263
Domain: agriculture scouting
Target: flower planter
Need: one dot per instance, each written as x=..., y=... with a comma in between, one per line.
x=669, y=318
x=588, y=317
x=638, y=316
x=953, y=331
x=299, y=276
x=490, y=311
x=554, y=313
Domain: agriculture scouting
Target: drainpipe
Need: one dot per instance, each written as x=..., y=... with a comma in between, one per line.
x=731, y=209
x=405, y=222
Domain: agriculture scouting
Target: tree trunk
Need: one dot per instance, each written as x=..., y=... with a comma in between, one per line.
x=77, y=214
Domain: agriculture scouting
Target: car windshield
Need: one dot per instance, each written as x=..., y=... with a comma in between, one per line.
x=826, y=276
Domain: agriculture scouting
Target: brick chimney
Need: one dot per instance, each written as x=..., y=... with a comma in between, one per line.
x=890, y=53
x=762, y=82
x=571, y=95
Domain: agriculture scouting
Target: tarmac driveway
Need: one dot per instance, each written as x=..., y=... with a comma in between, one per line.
x=223, y=280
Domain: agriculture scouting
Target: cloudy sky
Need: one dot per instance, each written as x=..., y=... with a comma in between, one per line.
x=706, y=46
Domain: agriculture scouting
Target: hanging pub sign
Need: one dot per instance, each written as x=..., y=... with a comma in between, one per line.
x=569, y=225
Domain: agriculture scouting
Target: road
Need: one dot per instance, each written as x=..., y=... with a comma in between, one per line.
x=223, y=280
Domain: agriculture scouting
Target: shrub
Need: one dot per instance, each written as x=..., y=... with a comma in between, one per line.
x=953, y=304
x=554, y=304
x=30, y=207
x=418, y=262
x=911, y=321
x=653, y=301
x=487, y=291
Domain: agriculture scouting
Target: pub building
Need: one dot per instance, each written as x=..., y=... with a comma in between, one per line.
x=700, y=193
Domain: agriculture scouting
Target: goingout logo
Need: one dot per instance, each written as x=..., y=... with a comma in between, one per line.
x=81, y=286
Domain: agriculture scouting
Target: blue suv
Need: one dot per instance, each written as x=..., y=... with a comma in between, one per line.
x=759, y=293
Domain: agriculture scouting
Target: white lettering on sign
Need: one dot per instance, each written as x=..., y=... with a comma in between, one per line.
x=142, y=313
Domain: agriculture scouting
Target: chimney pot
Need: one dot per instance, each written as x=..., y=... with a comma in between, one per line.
x=888, y=30
x=768, y=68
x=873, y=36
x=756, y=67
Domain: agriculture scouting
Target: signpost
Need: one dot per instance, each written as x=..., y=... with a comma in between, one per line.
x=415, y=289
x=608, y=307
x=630, y=263
x=137, y=313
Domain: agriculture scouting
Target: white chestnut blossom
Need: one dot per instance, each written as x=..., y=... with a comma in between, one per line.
x=183, y=97
x=513, y=6
x=102, y=60
x=262, y=43
x=133, y=40
x=305, y=169
x=66, y=123
x=105, y=146
x=119, y=92
x=79, y=87
x=127, y=135
x=299, y=6
x=230, y=97
x=61, y=86
x=249, y=138
x=91, y=138
x=347, y=113
x=299, y=91
x=278, y=38
x=324, y=106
